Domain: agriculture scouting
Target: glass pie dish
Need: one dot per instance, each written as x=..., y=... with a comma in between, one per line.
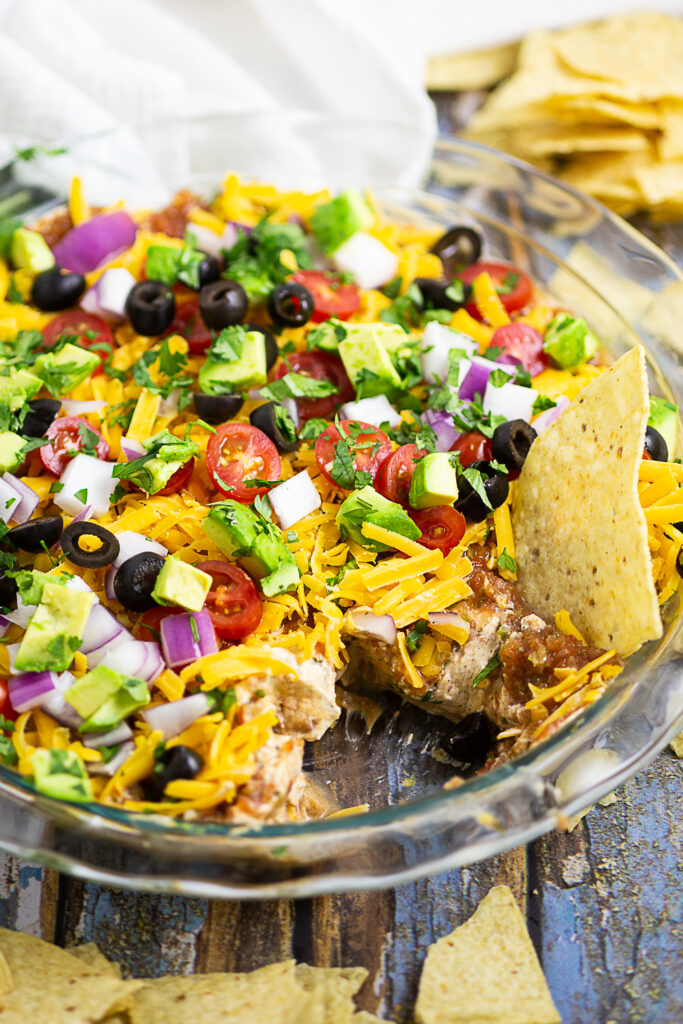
x=417, y=822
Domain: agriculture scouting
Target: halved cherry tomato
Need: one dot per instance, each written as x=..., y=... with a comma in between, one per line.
x=148, y=626
x=393, y=479
x=321, y=366
x=369, y=448
x=442, y=527
x=179, y=479
x=68, y=436
x=513, y=286
x=524, y=343
x=6, y=709
x=473, y=447
x=84, y=330
x=233, y=602
x=331, y=297
x=237, y=453
x=188, y=323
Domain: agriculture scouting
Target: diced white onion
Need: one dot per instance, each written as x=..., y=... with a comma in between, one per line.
x=10, y=499
x=437, y=341
x=370, y=262
x=131, y=543
x=293, y=499
x=112, y=766
x=86, y=473
x=21, y=614
x=108, y=295
x=382, y=627
x=208, y=241
x=101, y=628
x=119, y=734
x=138, y=658
x=511, y=401
x=12, y=651
x=376, y=410
x=96, y=656
x=78, y=408
x=22, y=512
x=175, y=716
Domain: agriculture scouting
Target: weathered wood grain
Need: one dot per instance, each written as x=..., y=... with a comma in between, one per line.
x=243, y=936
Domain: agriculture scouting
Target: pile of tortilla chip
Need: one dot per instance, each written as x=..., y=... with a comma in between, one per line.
x=486, y=970
x=599, y=105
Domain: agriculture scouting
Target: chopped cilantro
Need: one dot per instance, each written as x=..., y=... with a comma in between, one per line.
x=31, y=152
x=415, y=634
x=262, y=506
x=292, y=536
x=312, y=429
x=506, y=562
x=82, y=495
x=486, y=671
x=8, y=754
x=296, y=385
x=194, y=629
x=541, y=403
x=499, y=377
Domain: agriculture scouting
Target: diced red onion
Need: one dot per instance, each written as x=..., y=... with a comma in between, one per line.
x=10, y=499
x=119, y=734
x=131, y=543
x=370, y=262
x=131, y=449
x=84, y=514
x=109, y=591
x=95, y=657
x=22, y=512
x=208, y=241
x=511, y=401
x=140, y=659
x=382, y=627
x=4, y=625
x=178, y=642
x=442, y=424
x=448, y=619
x=72, y=408
x=438, y=341
x=86, y=473
x=169, y=406
x=376, y=410
x=108, y=295
x=55, y=705
x=21, y=614
x=293, y=499
x=112, y=766
x=100, y=628
x=175, y=716
x=89, y=245
x=548, y=417
x=29, y=689
x=477, y=377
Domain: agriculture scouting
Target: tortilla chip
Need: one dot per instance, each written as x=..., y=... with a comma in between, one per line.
x=269, y=993
x=677, y=745
x=51, y=986
x=6, y=982
x=476, y=69
x=580, y=533
x=333, y=989
x=485, y=971
x=363, y=1017
x=90, y=954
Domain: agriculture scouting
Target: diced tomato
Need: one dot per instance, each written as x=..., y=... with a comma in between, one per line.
x=330, y=295
x=320, y=366
x=233, y=602
x=149, y=624
x=369, y=448
x=513, y=286
x=188, y=323
x=473, y=447
x=6, y=709
x=524, y=343
x=179, y=479
x=82, y=329
x=69, y=435
x=237, y=453
x=393, y=479
x=442, y=527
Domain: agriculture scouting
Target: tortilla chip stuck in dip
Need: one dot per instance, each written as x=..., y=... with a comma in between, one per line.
x=580, y=532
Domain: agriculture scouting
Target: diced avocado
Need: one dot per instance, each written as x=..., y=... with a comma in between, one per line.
x=664, y=418
x=181, y=584
x=131, y=695
x=30, y=251
x=568, y=341
x=91, y=691
x=327, y=335
x=250, y=370
x=62, y=774
x=367, y=505
x=254, y=543
x=62, y=371
x=392, y=337
x=367, y=361
x=19, y=388
x=11, y=447
x=55, y=631
x=434, y=482
x=335, y=222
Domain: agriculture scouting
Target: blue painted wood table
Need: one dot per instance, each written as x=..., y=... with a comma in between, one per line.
x=604, y=905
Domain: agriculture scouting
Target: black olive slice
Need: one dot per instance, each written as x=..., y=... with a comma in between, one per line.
x=36, y=534
x=655, y=445
x=104, y=555
x=135, y=579
x=42, y=414
x=177, y=762
x=209, y=270
x=8, y=591
x=56, y=289
x=150, y=307
x=222, y=303
x=217, y=408
x=496, y=486
x=265, y=418
x=471, y=739
x=272, y=349
x=290, y=304
x=433, y=291
x=458, y=248
x=511, y=442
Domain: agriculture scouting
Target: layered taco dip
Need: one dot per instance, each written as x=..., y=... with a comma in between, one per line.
x=262, y=450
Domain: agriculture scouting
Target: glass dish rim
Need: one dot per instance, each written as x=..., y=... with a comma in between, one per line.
x=581, y=728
